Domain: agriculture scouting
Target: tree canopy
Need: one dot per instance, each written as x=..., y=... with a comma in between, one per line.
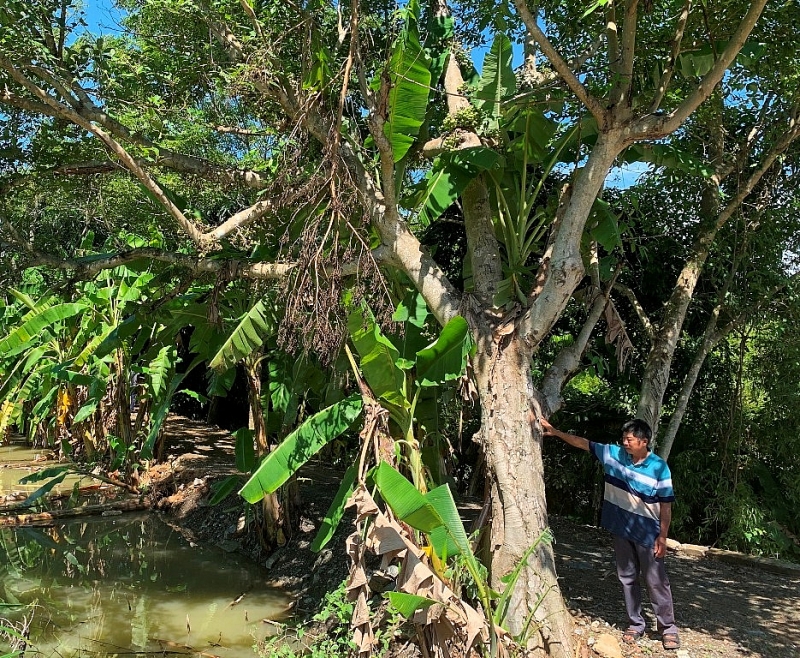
x=263, y=168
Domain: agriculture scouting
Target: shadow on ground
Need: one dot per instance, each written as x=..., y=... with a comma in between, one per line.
x=723, y=609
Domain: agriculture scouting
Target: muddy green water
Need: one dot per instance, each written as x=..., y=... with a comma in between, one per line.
x=17, y=461
x=130, y=585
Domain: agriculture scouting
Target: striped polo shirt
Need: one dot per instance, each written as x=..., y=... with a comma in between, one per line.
x=633, y=493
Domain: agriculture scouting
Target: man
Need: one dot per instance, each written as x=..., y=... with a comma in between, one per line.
x=637, y=510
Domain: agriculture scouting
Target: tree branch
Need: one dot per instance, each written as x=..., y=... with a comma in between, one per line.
x=90, y=267
x=653, y=126
x=591, y=103
x=620, y=93
x=628, y=294
x=400, y=248
x=568, y=359
x=168, y=158
x=666, y=75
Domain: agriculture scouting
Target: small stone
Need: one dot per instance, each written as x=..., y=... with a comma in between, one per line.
x=607, y=646
x=694, y=550
x=682, y=653
x=595, y=625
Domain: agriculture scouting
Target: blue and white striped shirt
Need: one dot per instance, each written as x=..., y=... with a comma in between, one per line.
x=633, y=493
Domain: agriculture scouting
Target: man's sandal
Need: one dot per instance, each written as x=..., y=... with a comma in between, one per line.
x=631, y=635
x=670, y=641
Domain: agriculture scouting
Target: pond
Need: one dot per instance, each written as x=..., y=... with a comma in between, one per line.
x=131, y=585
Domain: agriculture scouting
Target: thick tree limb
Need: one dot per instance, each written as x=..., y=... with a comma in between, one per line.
x=49, y=518
x=198, y=265
x=669, y=69
x=594, y=106
x=653, y=127
x=565, y=269
x=620, y=93
x=482, y=242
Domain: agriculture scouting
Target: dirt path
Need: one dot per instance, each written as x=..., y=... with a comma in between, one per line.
x=723, y=610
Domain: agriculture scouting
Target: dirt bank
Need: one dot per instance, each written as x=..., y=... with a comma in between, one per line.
x=724, y=610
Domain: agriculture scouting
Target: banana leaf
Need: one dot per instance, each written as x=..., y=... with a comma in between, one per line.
x=446, y=358
x=409, y=86
x=336, y=510
x=408, y=504
x=38, y=323
x=248, y=335
x=299, y=446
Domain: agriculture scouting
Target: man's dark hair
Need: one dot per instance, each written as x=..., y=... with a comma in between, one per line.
x=639, y=428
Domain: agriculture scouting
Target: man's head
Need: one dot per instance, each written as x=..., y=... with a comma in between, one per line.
x=636, y=435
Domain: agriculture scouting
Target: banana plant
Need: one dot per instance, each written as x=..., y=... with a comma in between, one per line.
x=435, y=514
x=394, y=381
x=69, y=366
x=400, y=383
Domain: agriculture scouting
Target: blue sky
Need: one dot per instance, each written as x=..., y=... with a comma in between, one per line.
x=102, y=16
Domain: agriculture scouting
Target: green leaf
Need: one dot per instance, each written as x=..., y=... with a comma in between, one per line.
x=38, y=323
x=43, y=490
x=408, y=504
x=336, y=510
x=498, y=81
x=224, y=488
x=510, y=579
x=197, y=397
x=535, y=132
x=378, y=358
x=451, y=537
x=408, y=604
x=299, y=446
x=451, y=174
x=85, y=411
x=97, y=392
x=248, y=335
x=668, y=156
x=159, y=370
x=441, y=30
x=245, y=449
x=409, y=86
x=159, y=416
x=412, y=309
x=446, y=358
x=45, y=474
x=605, y=228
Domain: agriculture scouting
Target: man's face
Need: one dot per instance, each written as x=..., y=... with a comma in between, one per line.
x=633, y=445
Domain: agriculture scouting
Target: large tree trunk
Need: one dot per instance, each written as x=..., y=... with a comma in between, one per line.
x=519, y=511
x=659, y=360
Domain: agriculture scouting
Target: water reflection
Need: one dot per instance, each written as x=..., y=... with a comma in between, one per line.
x=132, y=585
x=17, y=461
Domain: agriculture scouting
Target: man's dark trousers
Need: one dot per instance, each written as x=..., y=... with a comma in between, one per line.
x=633, y=559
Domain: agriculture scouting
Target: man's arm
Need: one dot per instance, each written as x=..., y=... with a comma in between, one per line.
x=576, y=441
x=665, y=518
